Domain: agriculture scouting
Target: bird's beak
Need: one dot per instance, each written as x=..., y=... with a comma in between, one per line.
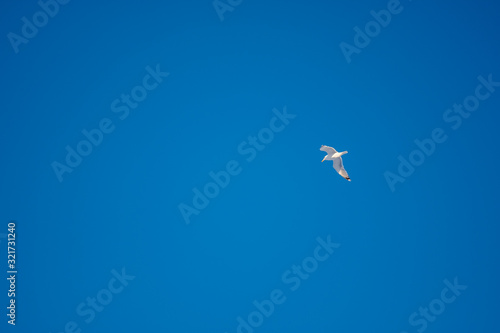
x=323, y=160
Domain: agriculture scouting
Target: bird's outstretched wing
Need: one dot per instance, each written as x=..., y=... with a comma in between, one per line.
x=339, y=167
x=328, y=149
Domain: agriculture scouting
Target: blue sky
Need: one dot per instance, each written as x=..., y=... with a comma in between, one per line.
x=170, y=95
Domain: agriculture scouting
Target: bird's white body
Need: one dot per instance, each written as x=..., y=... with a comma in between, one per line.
x=335, y=156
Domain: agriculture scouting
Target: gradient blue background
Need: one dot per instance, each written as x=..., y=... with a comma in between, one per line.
x=119, y=208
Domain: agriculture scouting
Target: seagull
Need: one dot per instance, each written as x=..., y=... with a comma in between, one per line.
x=337, y=160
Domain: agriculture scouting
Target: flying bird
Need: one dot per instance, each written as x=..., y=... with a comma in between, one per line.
x=334, y=156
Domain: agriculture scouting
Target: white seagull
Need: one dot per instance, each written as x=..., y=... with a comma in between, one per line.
x=333, y=155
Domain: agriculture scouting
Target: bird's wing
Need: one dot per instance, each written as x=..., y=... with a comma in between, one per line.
x=339, y=167
x=328, y=149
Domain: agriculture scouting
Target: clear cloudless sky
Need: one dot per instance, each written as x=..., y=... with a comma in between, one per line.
x=117, y=211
